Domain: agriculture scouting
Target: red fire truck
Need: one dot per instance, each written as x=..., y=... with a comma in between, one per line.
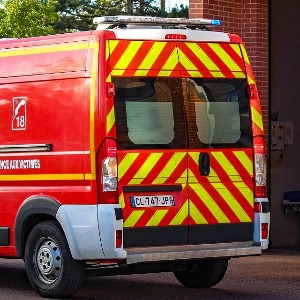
x=137, y=147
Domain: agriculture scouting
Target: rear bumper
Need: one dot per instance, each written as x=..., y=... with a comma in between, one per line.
x=191, y=252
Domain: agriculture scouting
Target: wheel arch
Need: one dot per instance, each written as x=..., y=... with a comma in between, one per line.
x=33, y=211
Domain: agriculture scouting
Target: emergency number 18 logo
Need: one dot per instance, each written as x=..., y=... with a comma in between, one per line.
x=19, y=113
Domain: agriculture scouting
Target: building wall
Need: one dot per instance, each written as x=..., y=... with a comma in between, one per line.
x=248, y=19
x=285, y=106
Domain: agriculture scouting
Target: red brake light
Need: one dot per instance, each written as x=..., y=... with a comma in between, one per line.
x=119, y=238
x=171, y=36
x=264, y=230
x=260, y=191
x=257, y=207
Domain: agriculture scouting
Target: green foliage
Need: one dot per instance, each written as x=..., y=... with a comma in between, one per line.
x=77, y=15
x=179, y=12
x=25, y=18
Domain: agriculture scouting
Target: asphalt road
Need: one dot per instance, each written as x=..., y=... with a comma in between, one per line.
x=274, y=275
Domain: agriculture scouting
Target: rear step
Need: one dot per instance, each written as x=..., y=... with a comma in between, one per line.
x=170, y=259
x=189, y=252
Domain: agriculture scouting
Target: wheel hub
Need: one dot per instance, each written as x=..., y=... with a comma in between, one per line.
x=48, y=260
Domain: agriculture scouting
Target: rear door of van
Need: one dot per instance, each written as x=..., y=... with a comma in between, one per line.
x=184, y=140
x=151, y=142
x=220, y=144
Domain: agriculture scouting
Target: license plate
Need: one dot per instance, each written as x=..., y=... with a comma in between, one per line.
x=152, y=201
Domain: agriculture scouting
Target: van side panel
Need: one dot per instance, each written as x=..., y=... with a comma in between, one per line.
x=45, y=124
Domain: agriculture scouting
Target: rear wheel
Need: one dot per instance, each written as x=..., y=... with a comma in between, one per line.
x=50, y=267
x=207, y=274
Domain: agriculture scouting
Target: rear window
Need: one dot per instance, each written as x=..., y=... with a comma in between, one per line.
x=178, y=113
x=149, y=113
x=218, y=112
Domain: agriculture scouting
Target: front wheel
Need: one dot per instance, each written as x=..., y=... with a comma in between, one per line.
x=207, y=274
x=50, y=267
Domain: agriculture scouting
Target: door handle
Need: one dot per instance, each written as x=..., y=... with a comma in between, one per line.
x=204, y=163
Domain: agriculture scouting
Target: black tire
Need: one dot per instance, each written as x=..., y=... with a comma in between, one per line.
x=50, y=268
x=207, y=274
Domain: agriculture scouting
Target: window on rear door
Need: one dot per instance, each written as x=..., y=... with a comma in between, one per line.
x=217, y=113
x=149, y=113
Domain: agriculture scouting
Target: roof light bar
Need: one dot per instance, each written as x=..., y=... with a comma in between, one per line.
x=154, y=21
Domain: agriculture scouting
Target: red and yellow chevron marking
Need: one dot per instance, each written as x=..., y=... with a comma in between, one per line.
x=211, y=60
x=256, y=114
x=180, y=59
x=153, y=168
x=257, y=119
x=185, y=59
x=138, y=58
x=110, y=118
x=226, y=195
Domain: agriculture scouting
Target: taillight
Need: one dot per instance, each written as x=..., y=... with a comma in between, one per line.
x=107, y=172
x=257, y=207
x=264, y=231
x=260, y=168
x=119, y=238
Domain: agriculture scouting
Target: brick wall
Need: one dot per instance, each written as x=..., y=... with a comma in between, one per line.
x=248, y=19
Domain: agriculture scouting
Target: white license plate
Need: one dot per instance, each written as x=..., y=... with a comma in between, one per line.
x=152, y=201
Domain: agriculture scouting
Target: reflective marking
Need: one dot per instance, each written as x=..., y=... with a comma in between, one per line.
x=231, y=201
x=183, y=179
x=205, y=59
x=141, y=73
x=157, y=217
x=196, y=215
x=40, y=177
x=133, y=218
x=172, y=61
x=257, y=118
x=152, y=55
x=195, y=74
x=111, y=47
x=122, y=200
x=186, y=62
x=226, y=58
x=218, y=74
x=239, y=75
x=213, y=177
x=110, y=120
x=210, y=203
x=225, y=163
x=181, y=215
x=169, y=167
x=117, y=72
x=128, y=55
x=247, y=193
x=236, y=48
x=245, y=55
x=245, y=161
x=125, y=163
x=164, y=73
x=62, y=153
x=45, y=49
x=92, y=107
x=146, y=167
